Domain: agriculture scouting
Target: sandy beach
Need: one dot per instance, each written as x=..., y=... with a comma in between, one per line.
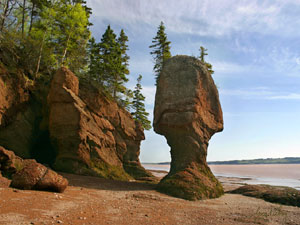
x=90, y=200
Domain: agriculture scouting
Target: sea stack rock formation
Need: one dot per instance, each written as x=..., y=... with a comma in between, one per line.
x=188, y=112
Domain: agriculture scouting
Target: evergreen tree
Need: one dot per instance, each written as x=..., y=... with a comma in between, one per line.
x=94, y=60
x=122, y=41
x=161, y=49
x=203, y=53
x=112, y=63
x=109, y=51
x=139, y=113
x=121, y=78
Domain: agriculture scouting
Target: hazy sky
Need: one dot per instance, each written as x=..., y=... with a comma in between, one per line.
x=254, y=47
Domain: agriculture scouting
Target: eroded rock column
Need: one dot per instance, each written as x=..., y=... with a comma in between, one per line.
x=188, y=112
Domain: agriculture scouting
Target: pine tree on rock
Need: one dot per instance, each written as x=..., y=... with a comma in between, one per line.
x=94, y=59
x=109, y=60
x=139, y=113
x=113, y=63
x=161, y=49
x=121, y=78
x=203, y=53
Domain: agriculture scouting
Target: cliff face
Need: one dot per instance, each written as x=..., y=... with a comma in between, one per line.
x=188, y=112
x=91, y=134
x=16, y=118
x=70, y=126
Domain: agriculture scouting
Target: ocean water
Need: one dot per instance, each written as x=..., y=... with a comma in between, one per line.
x=272, y=174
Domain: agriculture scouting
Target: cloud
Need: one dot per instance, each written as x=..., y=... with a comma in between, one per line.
x=149, y=93
x=291, y=96
x=297, y=60
x=259, y=92
x=262, y=93
x=284, y=60
x=228, y=67
x=206, y=17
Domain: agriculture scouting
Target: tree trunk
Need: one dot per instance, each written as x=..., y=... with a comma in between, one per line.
x=23, y=17
x=65, y=50
x=4, y=15
x=40, y=56
x=31, y=17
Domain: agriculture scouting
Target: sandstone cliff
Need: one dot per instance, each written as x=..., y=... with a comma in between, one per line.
x=70, y=126
x=188, y=112
x=92, y=134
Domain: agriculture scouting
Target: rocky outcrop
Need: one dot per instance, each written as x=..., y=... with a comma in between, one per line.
x=188, y=112
x=28, y=174
x=35, y=176
x=69, y=126
x=275, y=194
x=91, y=133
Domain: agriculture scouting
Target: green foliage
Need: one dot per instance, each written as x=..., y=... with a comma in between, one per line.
x=109, y=64
x=139, y=112
x=203, y=53
x=48, y=33
x=94, y=72
x=161, y=49
x=70, y=33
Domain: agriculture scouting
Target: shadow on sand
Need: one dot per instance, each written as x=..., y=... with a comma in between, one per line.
x=105, y=184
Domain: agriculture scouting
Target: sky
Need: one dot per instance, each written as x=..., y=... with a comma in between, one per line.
x=254, y=47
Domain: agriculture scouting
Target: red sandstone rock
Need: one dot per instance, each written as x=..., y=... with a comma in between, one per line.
x=80, y=130
x=188, y=112
x=9, y=162
x=15, y=117
x=4, y=182
x=35, y=176
x=91, y=133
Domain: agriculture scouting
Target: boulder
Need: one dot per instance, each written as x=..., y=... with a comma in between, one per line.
x=188, y=112
x=35, y=176
x=275, y=194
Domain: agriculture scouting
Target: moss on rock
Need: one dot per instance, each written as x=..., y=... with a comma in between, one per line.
x=191, y=184
x=274, y=194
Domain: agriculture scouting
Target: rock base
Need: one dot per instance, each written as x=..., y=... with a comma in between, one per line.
x=193, y=183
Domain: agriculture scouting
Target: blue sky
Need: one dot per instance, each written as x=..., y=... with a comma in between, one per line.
x=254, y=47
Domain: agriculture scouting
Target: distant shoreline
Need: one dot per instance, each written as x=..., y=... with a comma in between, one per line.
x=286, y=160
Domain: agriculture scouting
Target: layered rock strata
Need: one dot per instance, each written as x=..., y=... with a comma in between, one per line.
x=91, y=133
x=70, y=126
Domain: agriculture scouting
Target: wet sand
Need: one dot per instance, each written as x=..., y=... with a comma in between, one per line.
x=279, y=171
